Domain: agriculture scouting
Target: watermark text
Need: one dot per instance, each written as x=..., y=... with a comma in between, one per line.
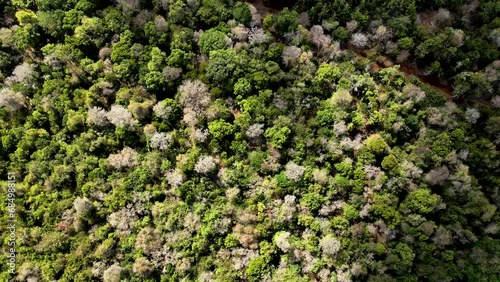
x=11, y=226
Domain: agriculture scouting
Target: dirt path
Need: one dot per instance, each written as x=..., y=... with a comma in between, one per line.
x=408, y=70
x=265, y=7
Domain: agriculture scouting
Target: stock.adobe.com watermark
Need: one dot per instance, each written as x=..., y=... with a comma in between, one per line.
x=11, y=222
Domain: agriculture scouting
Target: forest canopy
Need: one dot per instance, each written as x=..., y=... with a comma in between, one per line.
x=196, y=140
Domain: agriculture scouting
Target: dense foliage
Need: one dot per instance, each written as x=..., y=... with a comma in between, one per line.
x=201, y=140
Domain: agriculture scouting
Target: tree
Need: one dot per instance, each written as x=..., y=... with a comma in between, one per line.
x=291, y=55
x=255, y=131
x=194, y=94
x=154, y=81
x=143, y=267
x=119, y=116
x=294, y=171
x=376, y=144
x=341, y=34
x=225, y=66
x=389, y=162
x=160, y=141
x=472, y=84
x=26, y=17
x=329, y=245
x=167, y=110
x=90, y=32
x=242, y=87
x=281, y=241
x=121, y=50
x=149, y=240
x=11, y=100
x=112, y=274
x=277, y=135
x=82, y=205
x=126, y=158
x=75, y=121
x=472, y=115
x=286, y=21
x=212, y=40
x=97, y=116
x=205, y=164
x=257, y=36
x=241, y=13
x=359, y=40
x=26, y=37
x=220, y=129
x=421, y=201
x=327, y=75
x=341, y=99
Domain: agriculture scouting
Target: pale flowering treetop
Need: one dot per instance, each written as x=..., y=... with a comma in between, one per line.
x=119, y=116
x=174, y=178
x=194, y=94
x=495, y=101
x=82, y=205
x=257, y=36
x=472, y=115
x=24, y=73
x=200, y=135
x=97, y=116
x=294, y=171
x=291, y=55
x=11, y=100
x=112, y=274
x=194, y=98
x=281, y=241
x=240, y=32
x=205, y=164
x=329, y=245
x=160, y=141
x=162, y=110
x=126, y=158
x=255, y=130
x=359, y=40
x=160, y=23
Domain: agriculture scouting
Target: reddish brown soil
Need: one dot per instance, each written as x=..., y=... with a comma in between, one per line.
x=443, y=87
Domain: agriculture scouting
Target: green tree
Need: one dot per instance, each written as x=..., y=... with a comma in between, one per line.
x=242, y=87
x=376, y=144
x=277, y=136
x=212, y=40
x=257, y=268
x=220, y=129
x=241, y=13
